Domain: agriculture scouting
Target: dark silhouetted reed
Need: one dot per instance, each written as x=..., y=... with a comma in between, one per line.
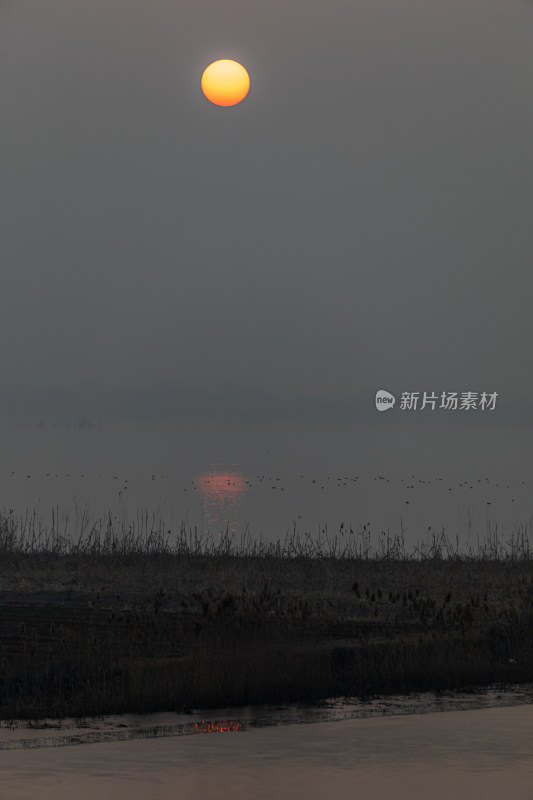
x=127, y=619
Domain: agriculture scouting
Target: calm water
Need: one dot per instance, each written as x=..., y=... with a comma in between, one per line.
x=267, y=478
x=482, y=753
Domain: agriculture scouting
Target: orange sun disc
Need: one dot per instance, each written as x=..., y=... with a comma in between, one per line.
x=225, y=82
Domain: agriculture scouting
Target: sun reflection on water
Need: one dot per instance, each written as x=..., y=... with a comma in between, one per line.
x=222, y=491
x=220, y=726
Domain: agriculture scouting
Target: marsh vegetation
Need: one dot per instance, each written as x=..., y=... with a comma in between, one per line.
x=136, y=620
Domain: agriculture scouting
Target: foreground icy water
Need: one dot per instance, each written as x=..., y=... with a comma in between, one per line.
x=408, y=748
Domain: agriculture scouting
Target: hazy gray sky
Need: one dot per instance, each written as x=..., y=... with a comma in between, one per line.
x=362, y=220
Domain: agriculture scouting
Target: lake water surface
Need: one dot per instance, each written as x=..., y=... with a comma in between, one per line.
x=418, y=751
x=267, y=479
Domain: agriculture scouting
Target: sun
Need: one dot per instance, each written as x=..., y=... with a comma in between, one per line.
x=225, y=82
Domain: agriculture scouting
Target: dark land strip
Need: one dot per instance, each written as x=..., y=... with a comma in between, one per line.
x=143, y=633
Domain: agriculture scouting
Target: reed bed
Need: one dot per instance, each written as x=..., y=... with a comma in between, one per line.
x=131, y=618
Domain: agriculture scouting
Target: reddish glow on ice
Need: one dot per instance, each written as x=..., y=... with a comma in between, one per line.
x=217, y=726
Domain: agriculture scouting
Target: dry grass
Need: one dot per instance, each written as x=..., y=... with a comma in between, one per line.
x=129, y=622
